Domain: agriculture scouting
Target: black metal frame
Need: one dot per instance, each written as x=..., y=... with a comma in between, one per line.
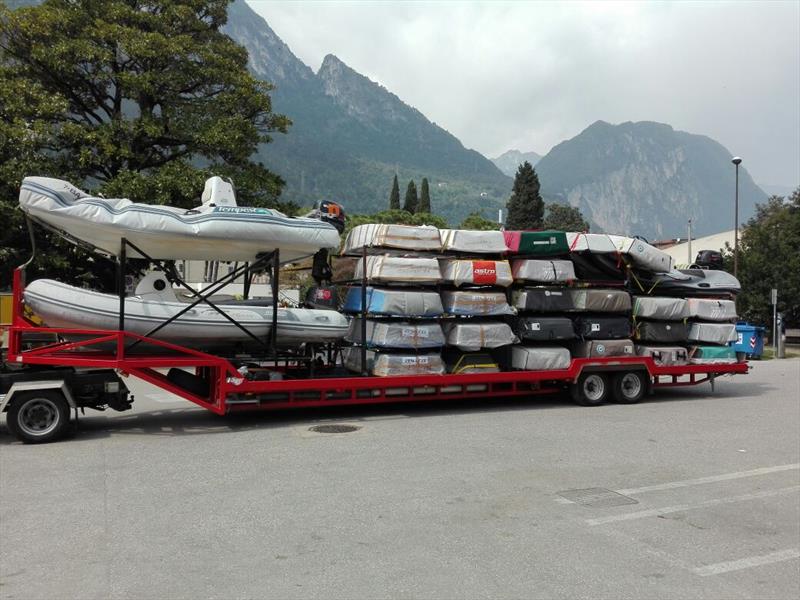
x=270, y=260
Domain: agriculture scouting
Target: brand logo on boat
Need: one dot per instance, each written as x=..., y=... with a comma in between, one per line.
x=413, y=332
x=484, y=271
x=240, y=210
x=595, y=326
x=323, y=295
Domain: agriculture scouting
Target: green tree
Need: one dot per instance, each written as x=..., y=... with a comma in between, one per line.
x=394, y=197
x=769, y=257
x=563, y=217
x=142, y=99
x=424, y=197
x=411, y=201
x=525, y=207
x=478, y=222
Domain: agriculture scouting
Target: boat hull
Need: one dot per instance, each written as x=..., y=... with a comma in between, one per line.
x=229, y=233
x=62, y=305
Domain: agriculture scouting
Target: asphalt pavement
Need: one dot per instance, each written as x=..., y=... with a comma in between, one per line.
x=690, y=494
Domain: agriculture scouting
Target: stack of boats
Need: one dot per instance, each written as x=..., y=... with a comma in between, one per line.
x=570, y=296
x=218, y=229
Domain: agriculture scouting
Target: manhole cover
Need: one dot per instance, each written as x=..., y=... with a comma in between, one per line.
x=333, y=428
x=597, y=497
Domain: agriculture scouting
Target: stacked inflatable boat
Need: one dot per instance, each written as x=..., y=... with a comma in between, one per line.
x=216, y=230
x=471, y=301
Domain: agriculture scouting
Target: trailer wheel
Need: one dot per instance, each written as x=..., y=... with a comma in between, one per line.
x=591, y=389
x=37, y=417
x=629, y=387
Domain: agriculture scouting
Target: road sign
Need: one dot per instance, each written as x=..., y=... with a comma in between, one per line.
x=774, y=295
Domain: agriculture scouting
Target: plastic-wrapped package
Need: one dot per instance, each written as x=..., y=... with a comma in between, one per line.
x=539, y=358
x=545, y=329
x=397, y=334
x=664, y=355
x=403, y=237
x=599, y=348
x=474, y=242
x=472, y=362
x=537, y=243
x=384, y=364
x=476, y=303
x=474, y=336
x=546, y=271
x=547, y=300
x=600, y=300
x=476, y=272
x=713, y=333
x=406, y=302
x=660, y=308
x=662, y=331
x=709, y=355
x=595, y=327
x=643, y=255
x=388, y=269
x=596, y=243
x=711, y=310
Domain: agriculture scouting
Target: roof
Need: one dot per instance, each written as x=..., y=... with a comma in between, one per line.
x=680, y=252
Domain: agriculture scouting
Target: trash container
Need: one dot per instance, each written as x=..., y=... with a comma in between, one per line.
x=750, y=340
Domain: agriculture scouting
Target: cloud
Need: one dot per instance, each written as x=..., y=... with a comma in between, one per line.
x=528, y=75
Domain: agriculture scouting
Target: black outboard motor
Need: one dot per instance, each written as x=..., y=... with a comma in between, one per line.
x=709, y=259
x=322, y=297
x=333, y=213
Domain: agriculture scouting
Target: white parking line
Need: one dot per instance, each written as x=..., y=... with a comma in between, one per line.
x=746, y=563
x=711, y=479
x=641, y=514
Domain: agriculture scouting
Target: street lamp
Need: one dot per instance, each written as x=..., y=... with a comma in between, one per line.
x=736, y=161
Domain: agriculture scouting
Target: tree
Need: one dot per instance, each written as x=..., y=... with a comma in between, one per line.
x=769, y=258
x=394, y=197
x=424, y=197
x=563, y=217
x=411, y=201
x=478, y=222
x=133, y=98
x=525, y=207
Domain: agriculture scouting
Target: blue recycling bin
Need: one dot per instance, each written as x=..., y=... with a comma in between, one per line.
x=750, y=340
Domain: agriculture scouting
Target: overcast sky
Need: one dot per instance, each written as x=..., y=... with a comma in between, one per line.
x=528, y=75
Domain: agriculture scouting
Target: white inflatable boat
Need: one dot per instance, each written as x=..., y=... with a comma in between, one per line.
x=154, y=301
x=216, y=230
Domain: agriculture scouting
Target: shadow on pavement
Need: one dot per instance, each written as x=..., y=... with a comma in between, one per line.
x=191, y=420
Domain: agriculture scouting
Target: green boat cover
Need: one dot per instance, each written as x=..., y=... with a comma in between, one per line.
x=543, y=243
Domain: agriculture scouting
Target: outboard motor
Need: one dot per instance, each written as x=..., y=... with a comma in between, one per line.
x=218, y=192
x=709, y=259
x=331, y=212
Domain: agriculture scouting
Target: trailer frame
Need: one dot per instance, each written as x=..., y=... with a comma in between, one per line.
x=229, y=391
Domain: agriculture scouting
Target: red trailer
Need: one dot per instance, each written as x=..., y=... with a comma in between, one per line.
x=217, y=383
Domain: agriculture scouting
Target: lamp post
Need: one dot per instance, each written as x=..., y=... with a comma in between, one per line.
x=736, y=161
x=690, y=243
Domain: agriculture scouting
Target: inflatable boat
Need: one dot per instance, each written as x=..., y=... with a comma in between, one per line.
x=691, y=282
x=154, y=301
x=216, y=230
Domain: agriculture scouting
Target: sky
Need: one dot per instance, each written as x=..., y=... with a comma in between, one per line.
x=528, y=75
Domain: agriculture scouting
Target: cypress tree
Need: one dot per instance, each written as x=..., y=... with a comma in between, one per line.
x=525, y=207
x=394, y=197
x=412, y=201
x=424, y=197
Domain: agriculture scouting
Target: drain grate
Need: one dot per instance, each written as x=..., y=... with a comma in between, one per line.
x=333, y=428
x=597, y=497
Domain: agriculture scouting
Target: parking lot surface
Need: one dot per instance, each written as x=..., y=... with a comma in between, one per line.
x=690, y=494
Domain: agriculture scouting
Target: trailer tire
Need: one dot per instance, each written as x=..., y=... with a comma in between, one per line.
x=591, y=389
x=629, y=387
x=38, y=416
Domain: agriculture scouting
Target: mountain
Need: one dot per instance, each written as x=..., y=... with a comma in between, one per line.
x=647, y=179
x=509, y=161
x=778, y=189
x=350, y=135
